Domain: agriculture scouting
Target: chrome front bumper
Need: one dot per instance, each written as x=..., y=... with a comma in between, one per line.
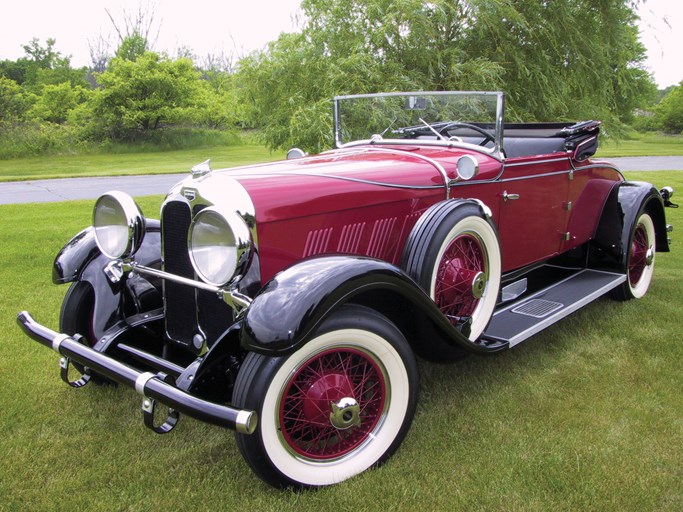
x=149, y=385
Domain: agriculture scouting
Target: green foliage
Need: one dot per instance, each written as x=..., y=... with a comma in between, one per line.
x=45, y=138
x=669, y=112
x=12, y=102
x=56, y=102
x=560, y=60
x=143, y=95
x=132, y=47
x=42, y=65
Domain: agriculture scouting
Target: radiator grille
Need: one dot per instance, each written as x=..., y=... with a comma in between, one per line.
x=180, y=300
x=187, y=308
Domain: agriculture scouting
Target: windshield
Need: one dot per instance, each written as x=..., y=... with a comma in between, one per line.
x=473, y=118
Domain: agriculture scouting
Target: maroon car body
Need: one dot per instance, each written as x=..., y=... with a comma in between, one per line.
x=288, y=301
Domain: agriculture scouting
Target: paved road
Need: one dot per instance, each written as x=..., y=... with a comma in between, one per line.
x=44, y=191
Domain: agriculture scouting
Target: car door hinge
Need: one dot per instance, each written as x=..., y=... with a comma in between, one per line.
x=568, y=206
x=567, y=236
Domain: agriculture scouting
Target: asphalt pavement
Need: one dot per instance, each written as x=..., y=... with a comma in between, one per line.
x=66, y=189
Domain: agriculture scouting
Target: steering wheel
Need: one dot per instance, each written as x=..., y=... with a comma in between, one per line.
x=488, y=136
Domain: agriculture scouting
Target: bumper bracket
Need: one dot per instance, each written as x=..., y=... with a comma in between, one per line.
x=151, y=386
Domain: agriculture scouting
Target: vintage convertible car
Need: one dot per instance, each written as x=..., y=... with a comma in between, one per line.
x=288, y=301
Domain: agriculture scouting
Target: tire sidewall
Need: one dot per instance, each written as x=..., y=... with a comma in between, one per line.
x=461, y=221
x=643, y=284
x=267, y=451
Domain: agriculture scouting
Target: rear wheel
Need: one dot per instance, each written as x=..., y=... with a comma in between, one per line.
x=455, y=257
x=339, y=405
x=640, y=262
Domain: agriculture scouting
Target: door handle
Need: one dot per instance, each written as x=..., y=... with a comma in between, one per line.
x=511, y=197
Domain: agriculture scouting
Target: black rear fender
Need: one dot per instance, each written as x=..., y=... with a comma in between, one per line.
x=625, y=203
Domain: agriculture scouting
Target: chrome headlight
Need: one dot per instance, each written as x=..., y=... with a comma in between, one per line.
x=119, y=225
x=219, y=243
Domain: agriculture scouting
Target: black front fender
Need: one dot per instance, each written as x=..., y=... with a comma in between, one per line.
x=81, y=260
x=287, y=311
x=78, y=252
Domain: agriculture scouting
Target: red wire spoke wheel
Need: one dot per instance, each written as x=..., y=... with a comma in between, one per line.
x=461, y=276
x=332, y=403
x=453, y=253
x=640, y=261
x=339, y=405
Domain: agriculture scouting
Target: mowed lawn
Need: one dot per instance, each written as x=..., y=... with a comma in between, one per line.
x=162, y=162
x=587, y=415
x=642, y=144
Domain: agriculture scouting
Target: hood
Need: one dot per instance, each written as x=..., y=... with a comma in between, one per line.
x=340, y=179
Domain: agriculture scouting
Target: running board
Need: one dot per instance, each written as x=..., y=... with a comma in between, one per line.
x=518, y=321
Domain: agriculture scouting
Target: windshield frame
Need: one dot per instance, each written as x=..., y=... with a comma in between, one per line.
x=496, y=151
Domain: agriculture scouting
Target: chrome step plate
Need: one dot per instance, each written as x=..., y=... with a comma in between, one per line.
x=520, y=320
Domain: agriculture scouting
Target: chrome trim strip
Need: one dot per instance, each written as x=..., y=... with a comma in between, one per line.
x=601, y=165
x=531, y=177
x=141, y=382
x=547, y=161
x=418, y=156
x=369, y=182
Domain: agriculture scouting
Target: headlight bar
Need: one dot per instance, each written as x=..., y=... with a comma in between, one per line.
x=234, y=299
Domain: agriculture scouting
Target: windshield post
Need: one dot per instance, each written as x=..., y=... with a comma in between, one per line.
x=500, y=126
x=337, y=124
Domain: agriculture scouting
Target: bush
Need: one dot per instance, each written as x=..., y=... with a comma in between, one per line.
x=34, y=139
x=669, y=113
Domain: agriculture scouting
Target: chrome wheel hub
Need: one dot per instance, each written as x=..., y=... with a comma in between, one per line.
x=345, y=413
x=478, y=285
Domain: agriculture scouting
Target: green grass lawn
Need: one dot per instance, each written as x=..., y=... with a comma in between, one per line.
x=647, y=144
x=587, y=415
x=166, y=162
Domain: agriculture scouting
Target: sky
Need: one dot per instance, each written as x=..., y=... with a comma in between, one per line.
x=236, y=27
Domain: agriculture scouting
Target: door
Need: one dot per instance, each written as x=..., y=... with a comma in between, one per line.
x=533, y=209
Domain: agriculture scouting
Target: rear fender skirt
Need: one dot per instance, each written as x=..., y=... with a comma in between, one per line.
x=286, y=312
x=625, y=203
x=81, y=260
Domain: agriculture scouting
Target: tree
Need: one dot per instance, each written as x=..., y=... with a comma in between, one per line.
x=42, y=65
x=12, y=102
x=669, y=112
x=144, y=95
x=559, y=59
x=56, y=102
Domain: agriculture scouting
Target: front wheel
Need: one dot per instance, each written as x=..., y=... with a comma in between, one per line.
x=640, y=262
x=339, y=405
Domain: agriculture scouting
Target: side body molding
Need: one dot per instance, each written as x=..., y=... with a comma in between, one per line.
x=286, y=312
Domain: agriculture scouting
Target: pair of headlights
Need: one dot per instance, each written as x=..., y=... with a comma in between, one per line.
x=219, y=242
